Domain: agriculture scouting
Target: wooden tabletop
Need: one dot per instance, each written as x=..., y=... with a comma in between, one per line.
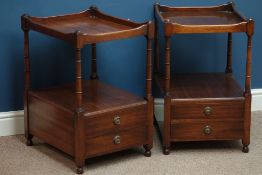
x=89, y=26
x=211, y=19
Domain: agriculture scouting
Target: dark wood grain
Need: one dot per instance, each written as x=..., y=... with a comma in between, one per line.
x=103, y=123
x=93, y=25
x=247, y=94
x=105, y=143
x=53, y=125
x=196, y=99
x=93, y=63
x=220, y=109
x=201, y=85
x=229, y=54
x=220, y=130
x=83, y=118
x=97, y=97
x=216, y=19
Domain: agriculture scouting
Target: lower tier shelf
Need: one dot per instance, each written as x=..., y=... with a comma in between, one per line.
x=201, y=85
x=97, y=97
x=203, y=107
x=113, y=119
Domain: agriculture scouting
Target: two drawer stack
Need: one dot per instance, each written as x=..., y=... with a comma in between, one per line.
x=116, y=130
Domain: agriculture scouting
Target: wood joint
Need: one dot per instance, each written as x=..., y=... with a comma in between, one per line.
x=25, y=22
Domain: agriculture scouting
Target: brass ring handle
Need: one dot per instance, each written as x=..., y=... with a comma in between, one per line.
x=117, y=140
x=117, y=120
x=207, y=130
x=208, y=111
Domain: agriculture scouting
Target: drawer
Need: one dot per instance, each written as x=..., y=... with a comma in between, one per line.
x=116, y=120
x=197, y=109
x=116, y=141
x=197, y=130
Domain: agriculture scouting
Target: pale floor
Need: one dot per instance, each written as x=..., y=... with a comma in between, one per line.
x=202, y=158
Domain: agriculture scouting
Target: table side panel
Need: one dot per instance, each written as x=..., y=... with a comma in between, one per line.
x=51, y=124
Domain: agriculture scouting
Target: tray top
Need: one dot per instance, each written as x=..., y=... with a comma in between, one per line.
x=90, y=26
x=211, y=19
x=203, y=18
x=86, y=24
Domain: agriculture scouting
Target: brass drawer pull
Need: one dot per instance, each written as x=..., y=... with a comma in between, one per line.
x=207, y=130
x=117, y=120
x=208, y=111
x=117, y=140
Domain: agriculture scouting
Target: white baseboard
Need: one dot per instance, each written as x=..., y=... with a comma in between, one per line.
x=256, y=104
x=257, y=100
x=11, y=123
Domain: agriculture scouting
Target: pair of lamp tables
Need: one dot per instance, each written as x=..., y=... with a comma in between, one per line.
x=90, y=118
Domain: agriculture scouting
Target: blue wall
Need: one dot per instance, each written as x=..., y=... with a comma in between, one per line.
x=121, y=63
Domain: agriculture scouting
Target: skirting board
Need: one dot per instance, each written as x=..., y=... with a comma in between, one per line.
x=12, y=123
x=256, y=104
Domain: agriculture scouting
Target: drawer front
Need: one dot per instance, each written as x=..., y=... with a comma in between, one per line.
x=116, y=141
x=195, y=130
x=207, y=109
x=116, y=120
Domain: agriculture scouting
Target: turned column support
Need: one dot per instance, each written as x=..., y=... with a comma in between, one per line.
x=229, y=54
x=250, y=32
x=94, y=63
x=156, y=45
x=27, y=82
x=79, y=126
x=78, y=69
x=149, y=69
x=247, y=93
x=167, y=66
x=150, y=101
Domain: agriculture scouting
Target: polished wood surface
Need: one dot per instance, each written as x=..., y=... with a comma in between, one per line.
x=201, y=85
x=52, y=124
x=196, y=99
x=202, y=17
x=97, y=96
x=105, y=143
x=216, y=19
x=219, y=109
x=88, y=118
x=116, y=120
x=219, y=130
x=93, y=26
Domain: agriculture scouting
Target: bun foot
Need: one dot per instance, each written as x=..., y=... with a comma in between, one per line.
x=166, y=151
x=245, y=149
x=147, y=153
x=29, y=142
x=80, y=170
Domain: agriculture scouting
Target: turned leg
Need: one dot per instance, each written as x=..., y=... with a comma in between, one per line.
x=25, y=28
x=247, y=94
x=167, y=101
x=79, y=120
x=166, y=150
x=29, y=141
x=245, y=148
x=80, y=170
x=147, y=150
x=149, y=98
